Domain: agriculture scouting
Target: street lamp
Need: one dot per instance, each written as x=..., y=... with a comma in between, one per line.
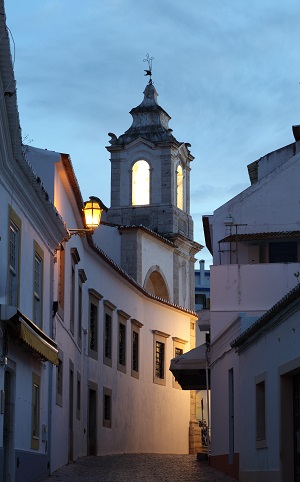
x=92, y=211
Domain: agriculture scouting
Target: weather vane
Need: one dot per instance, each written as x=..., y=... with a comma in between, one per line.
x=149, y=70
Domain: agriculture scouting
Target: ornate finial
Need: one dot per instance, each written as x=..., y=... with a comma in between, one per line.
x=149, y=71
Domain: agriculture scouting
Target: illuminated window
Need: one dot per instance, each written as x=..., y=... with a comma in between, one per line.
x=179, y=182
x=140, y=183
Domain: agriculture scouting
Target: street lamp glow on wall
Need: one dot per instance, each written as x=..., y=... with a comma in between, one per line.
x=92, y=211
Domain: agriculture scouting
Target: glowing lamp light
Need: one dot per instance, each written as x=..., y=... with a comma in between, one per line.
x=92, y=213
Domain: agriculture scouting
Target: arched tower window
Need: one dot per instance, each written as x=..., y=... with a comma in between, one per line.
x=140, y=183
x=179, y=187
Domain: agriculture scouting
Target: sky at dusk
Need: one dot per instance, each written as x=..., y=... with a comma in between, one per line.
x=226, y=71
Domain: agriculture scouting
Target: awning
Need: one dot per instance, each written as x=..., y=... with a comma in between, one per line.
x=20, y=327
x=189, y=369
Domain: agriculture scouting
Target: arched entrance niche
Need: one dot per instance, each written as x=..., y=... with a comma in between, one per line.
x=156, y=284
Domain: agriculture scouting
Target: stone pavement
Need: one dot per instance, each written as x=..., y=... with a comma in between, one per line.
x=138, y=468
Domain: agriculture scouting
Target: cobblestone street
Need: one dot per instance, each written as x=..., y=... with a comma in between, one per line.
x=138, y=467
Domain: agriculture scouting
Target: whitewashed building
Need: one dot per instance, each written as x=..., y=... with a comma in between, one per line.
x=30, y=230
x=254, y=239
x=120, y=317
x=90, y=322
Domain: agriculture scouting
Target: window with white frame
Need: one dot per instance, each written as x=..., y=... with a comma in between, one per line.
x=159, y=357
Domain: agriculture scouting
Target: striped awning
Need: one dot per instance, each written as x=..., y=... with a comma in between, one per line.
x=22, y=328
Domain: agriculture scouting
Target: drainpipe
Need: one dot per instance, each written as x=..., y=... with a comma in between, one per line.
x=50, y=397
x=207, y=404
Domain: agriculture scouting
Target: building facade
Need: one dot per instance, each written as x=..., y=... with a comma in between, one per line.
x=254, y=239
x=31, y=228
x=89, y=323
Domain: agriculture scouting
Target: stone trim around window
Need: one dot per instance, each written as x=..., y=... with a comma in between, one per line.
x=159, y=357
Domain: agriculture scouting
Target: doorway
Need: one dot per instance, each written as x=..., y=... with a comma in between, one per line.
x=8, y=406
x=71, y=410
x=92, y=422
x=296, y=420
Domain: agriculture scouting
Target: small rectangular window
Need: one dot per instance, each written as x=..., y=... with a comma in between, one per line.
x=122, y=340
x=72, y=298
x=107, y=407
x=93, y=331
x=135, y=351
x=283, y=252
x=135, y=347
x=61, y=281
x=260, y=395
x=81, y=279
x=79, y=314
x=107, y=352
x=160, y=357
x=78, y=396
x=159, y=360
x=178, y=349
x=14, y=258
x=122, y=344
x=37, y=295
x=93, y=323
x=59, y=381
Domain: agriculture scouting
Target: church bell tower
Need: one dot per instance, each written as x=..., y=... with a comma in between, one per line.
x=150, y=172
x=150, y=191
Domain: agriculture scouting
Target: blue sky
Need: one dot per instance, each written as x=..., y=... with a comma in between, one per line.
x=227, y=72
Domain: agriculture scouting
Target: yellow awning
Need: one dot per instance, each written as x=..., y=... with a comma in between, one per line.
x=21, y=327
x=37, y=343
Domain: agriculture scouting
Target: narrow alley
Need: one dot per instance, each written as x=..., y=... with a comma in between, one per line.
x=137, y=468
